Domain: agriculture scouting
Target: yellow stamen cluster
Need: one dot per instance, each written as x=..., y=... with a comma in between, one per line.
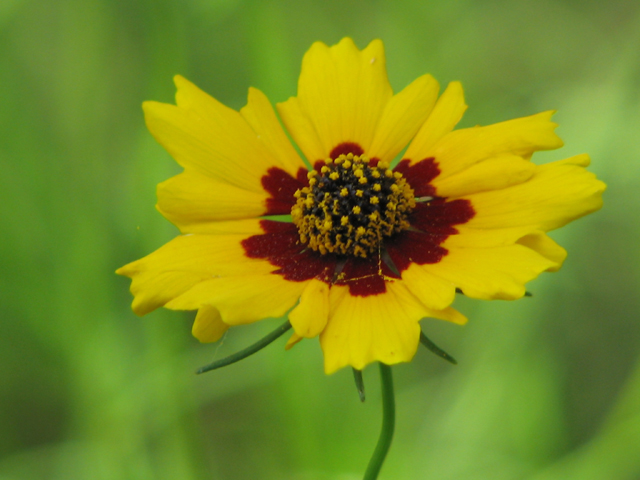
x=350, y=206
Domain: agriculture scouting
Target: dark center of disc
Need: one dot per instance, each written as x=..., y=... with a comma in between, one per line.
x=350, y=207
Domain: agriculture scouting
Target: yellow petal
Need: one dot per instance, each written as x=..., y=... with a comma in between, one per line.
x=556, y=194
x=522, y=136
x=491, y=273
x=151, y=291
x=445, y=116
x=343, y=92
x=490, y=237
x=294, y=339
x=310, y=316
x=208, y=326
x=192, y=200
x=405, y=113
x=434, y=292
x=582, y=160
x=203, y=134
x=545, y=246
x=498, y=172
x=362, y=330
x=302, y=129
x=242, y=299
x=187, y=260
x=450, y=315
x=260, y=115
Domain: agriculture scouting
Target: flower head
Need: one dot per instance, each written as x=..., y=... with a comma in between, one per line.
x=370, y=250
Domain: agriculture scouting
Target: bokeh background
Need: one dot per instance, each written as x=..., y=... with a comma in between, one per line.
x=547, y=388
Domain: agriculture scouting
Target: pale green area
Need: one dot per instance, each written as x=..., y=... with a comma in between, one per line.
x=547, y=388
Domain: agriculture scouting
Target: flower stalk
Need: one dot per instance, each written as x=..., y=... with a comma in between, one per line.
x=388, y=423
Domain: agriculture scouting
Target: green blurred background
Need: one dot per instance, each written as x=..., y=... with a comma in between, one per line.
x=547, y=388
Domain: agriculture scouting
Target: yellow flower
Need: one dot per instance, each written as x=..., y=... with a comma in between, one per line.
x=371, y=250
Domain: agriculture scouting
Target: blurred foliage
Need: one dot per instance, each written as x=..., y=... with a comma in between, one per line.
x=547, y=388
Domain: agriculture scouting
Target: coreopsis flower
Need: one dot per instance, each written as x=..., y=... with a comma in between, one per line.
x=372, y=245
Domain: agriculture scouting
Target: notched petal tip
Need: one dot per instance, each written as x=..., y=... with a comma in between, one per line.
x=550, y=140
x=374, y=52
x=140, y=306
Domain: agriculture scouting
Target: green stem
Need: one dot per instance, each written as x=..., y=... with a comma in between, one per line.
x=388, y=424
x=250, y=350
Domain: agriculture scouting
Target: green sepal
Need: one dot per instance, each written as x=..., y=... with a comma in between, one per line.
x=250, y=350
